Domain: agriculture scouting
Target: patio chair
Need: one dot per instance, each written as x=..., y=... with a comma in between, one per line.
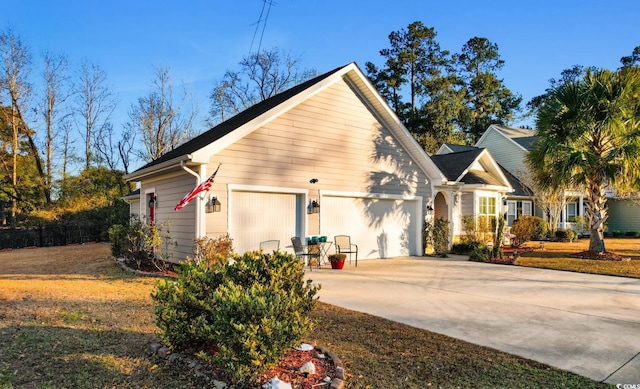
x=268, y=246
x=301, y=252
x=344, y=245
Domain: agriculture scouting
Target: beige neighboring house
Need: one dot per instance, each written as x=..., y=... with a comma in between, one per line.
x=509, y=147
x=476, y=186
x=332, y=140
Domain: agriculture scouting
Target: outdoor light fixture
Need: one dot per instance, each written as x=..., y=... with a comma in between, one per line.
x=313, y=180
x=314, y=207
x=152, y=201
x=213, y=205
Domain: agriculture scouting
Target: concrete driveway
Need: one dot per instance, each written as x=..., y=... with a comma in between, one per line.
x=587, y=324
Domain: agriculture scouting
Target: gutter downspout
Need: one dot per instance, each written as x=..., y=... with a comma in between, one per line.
x=198, y=204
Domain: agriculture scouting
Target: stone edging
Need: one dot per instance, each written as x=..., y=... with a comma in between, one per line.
x=338, y=381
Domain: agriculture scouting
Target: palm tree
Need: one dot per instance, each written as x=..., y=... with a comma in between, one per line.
x=589, y=138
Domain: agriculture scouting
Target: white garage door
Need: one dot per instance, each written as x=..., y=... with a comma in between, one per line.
x=381, y=228
x=259, y=216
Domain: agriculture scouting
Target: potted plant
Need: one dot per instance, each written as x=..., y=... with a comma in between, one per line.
x=337, y=260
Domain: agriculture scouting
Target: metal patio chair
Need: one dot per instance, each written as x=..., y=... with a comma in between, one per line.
x=302, y=251
x=344, y=245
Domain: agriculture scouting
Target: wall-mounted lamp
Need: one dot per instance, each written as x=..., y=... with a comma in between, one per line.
x=152, y=200
x=313, y=180
x=314, y=207
x=213, y=205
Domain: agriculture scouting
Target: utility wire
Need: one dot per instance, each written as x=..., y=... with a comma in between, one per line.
x=264, y=25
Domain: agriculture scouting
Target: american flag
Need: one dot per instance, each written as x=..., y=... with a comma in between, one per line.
x=203, y=187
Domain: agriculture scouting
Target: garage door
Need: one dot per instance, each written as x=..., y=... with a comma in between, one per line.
x=381, y=228
x=259, y=216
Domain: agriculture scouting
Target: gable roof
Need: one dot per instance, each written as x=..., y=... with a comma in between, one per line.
x=523, y=137
x=199, y=149
x=457, y=168
x=453, y=165
x=453, y=148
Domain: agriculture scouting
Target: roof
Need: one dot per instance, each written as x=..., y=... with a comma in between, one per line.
x=199, y=149
x=457, y=148
x=519, y=188
x=452, y=165
x=480, y=177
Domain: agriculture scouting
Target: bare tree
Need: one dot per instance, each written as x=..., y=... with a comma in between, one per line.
x=16, y=65
x=56, y=92
x=261, y=76
x=95, y=104
x=162, y=121
x=125, y=146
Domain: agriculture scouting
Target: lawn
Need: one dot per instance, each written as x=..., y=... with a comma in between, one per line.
x=69, y=317
x=556, y=256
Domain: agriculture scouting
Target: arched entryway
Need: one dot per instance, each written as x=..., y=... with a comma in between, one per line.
x=440, y=207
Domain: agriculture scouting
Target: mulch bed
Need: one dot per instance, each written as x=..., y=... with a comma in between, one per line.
x=605, y=256
x=288, y=369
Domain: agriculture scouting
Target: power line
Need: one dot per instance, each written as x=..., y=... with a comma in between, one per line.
x=265, y=3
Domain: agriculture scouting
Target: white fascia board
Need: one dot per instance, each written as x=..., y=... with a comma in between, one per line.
x=170, y=164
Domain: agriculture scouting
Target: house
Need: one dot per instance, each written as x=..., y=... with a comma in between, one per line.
x=510, y=147
x=475, y=186
x=332, y=141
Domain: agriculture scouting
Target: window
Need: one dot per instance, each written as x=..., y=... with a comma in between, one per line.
x=487, y=212
x=512, y=213
x=572, y=211
x=515, y=209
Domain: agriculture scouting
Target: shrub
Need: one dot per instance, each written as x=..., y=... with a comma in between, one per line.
x=142, y=243
x=465, y=248
x=616, y=233
x=482, y=253
x=118, y=239
x=527, y=228
x=212, y=250
x=250, y=310
x=567, y=235
x=437, y=234
x=632, y=234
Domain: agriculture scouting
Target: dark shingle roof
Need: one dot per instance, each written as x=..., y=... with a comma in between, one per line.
x=457, y=148
x=237, y=121
x=452, y=165
x=519, y=188
x=480, y=177
x=528, y=142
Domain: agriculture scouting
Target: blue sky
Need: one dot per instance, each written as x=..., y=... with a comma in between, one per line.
x=200, y=39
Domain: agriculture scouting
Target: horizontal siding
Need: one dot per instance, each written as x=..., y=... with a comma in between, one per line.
x=180, y=225
x=624, y=215
x=332, y=137
x=505, y=152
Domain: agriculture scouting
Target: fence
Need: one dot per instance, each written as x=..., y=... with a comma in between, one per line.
x=52, y=235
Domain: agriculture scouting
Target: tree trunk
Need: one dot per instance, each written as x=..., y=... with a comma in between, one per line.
x=597, y=213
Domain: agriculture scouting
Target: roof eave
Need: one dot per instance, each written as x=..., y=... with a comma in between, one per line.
x=155, y=169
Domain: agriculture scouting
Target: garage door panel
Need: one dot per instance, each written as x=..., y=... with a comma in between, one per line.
x=380, y=227
x=261, y=216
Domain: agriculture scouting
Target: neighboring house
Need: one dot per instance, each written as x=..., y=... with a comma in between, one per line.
x=510, y=146
x=332, y=140
x=476, y=186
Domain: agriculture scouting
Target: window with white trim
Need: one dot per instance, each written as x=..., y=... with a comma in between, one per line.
x=486, y=211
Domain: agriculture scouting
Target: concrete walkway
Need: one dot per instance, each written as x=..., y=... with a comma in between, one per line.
x=587, y=324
